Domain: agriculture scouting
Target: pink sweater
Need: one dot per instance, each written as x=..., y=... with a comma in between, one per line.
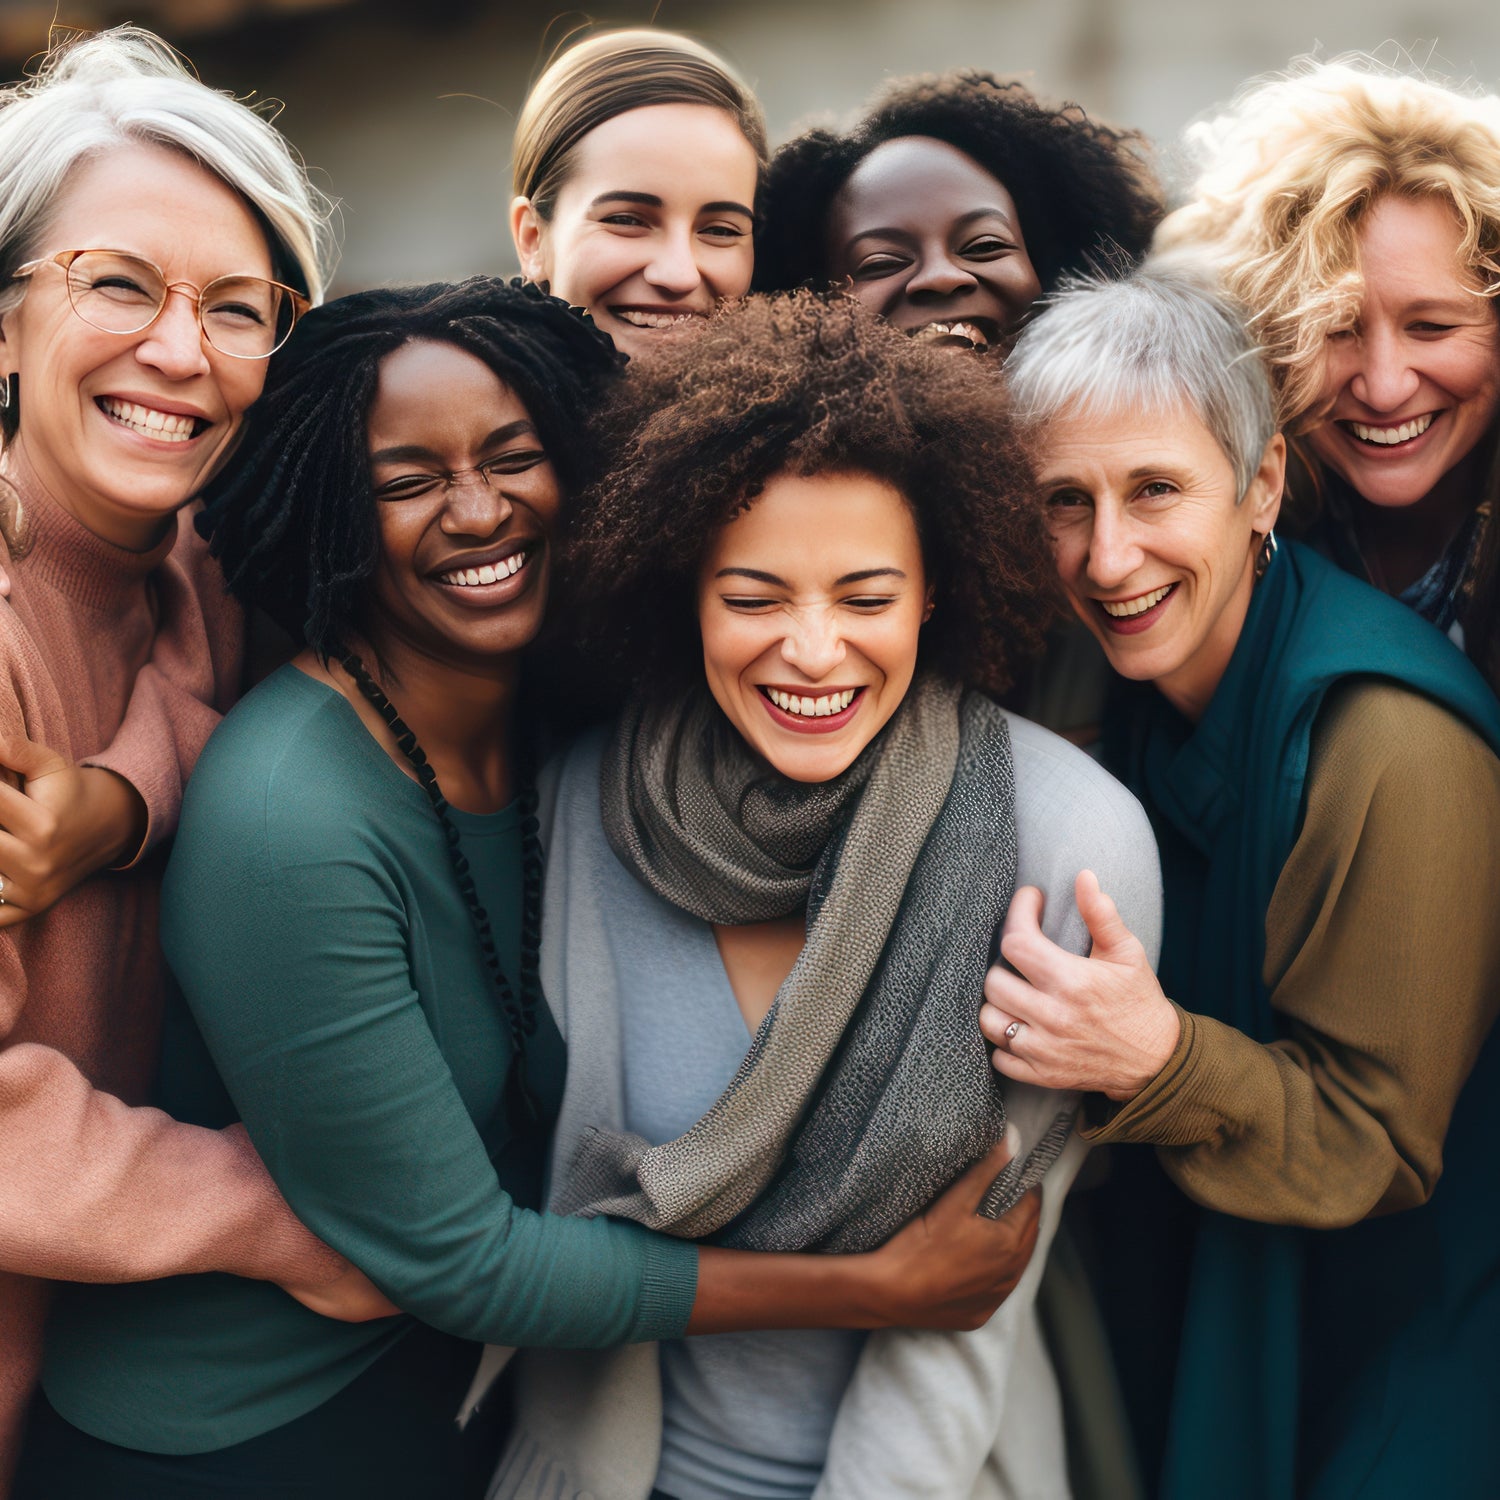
x=122, y=660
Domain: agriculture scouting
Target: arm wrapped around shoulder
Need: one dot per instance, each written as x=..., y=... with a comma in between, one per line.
x=1383, y=955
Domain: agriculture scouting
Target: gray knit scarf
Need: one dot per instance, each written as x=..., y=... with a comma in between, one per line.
x=868, y=1087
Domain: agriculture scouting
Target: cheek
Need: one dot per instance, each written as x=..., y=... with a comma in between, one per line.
x=893, y=643
x=731, y=644
x=733, y=273
x=587, y=265
x=874, y=294
x=241, y=385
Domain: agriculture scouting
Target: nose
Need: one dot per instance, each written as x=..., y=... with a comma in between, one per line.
x=674, y=265
x=1115, y=552
x=939, y=274
x=474, y=508
x=174, y=343
x=1384, y=379
x=813, y=644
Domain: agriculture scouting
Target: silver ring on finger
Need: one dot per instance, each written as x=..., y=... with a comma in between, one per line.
x=1012, y=1032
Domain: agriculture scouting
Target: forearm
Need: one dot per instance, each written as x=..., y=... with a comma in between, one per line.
x=739, y=1290
x=1383, y=965
x=94, y=1190
x=1278, y=1133
x=154, y=751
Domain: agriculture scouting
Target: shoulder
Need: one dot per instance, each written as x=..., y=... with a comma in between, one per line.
x=1379, y=745
x=1072, y=815
x=1065, y=794
x=290, y=761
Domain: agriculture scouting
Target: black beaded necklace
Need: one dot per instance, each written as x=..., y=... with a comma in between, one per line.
x=520, y=1011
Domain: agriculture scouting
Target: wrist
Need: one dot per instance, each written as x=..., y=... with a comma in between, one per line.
x=1155, y=1051
x=118, y=812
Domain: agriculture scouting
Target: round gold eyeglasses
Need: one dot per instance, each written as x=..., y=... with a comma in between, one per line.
x=245, y=317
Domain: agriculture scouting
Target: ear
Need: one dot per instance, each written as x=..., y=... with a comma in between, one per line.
x=529, y=232
x=7, y=343
x=929, y=603
x=1263, y=498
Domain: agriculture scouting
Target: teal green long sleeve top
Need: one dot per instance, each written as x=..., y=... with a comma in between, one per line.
x=339, y=1006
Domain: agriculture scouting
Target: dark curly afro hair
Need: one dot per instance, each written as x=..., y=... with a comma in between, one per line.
x=809, y=383
x=1084, y=191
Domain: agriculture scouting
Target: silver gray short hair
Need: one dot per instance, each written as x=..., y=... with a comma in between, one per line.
x=128, y=87
x=1160, y=339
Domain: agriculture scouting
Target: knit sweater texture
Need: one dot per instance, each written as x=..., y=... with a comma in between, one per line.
x=118, y=659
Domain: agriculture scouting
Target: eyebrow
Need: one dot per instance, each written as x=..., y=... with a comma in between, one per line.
x=1443, y=305
x=650, y=200
x=407, y=453
x=771, y=578
x=1141, y=471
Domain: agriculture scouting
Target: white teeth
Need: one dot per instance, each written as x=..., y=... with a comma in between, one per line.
x=1123, y=608
x=165, y=426
x=652, y=320
x=811, y=708
x=489, y=573
x=1385, y=436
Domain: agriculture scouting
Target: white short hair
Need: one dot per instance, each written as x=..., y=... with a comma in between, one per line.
x=1161, y=339
x=126, y=87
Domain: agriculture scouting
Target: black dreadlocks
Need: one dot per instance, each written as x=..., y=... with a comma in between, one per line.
x=293, y=520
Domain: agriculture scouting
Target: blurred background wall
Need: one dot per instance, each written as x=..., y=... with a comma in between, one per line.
x=405, y=106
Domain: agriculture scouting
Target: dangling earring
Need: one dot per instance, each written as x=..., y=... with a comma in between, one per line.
x=5, y=392
x=1267, y=552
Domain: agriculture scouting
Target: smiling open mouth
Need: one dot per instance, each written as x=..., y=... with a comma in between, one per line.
x=1131, y=616
x=639, y=319
x=825, y=713
x=496, y=572
x=164, y=426
x=826, y=706
x=978, y=333
x=1389, y=437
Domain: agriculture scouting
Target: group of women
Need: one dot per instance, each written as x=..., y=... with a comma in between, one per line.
x=637, y=931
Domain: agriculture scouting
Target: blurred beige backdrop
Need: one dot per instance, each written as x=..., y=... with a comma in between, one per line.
x=405, y=109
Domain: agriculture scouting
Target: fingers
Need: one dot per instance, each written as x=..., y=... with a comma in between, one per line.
x=1025, y=1216
x=27, y=758
x=1112, y=938
x=1010, y=998
x=21, y=816
x=1025, y=914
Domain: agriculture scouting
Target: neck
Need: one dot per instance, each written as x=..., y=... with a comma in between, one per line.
x=459, y=712
x=119, y=529
x=1399, y=543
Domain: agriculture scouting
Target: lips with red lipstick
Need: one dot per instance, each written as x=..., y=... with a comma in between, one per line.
x=823, y=712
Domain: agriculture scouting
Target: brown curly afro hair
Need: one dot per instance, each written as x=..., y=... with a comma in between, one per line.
x=1084, y=191
x=809, y=383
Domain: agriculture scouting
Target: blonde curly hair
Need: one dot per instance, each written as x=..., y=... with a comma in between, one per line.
x=1287, y=175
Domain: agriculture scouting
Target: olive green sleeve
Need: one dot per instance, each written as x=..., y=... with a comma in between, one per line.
x=1382, y=954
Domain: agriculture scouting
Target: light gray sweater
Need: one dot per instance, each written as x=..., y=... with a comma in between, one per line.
x=935, y=1414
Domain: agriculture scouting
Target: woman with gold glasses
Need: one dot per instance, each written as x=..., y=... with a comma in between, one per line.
x=123, y=181
x=245, y=317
